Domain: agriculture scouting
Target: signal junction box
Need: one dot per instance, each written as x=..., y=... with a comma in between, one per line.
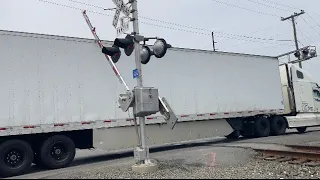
x=146, y=101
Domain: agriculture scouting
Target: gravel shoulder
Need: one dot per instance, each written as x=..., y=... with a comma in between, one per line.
x=199, y=163
x=175, y=169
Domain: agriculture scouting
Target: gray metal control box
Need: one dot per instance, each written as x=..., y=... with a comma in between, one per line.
x=146, y=101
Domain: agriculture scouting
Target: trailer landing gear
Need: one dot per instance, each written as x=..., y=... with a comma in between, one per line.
x=234, y=135
x=301, y=129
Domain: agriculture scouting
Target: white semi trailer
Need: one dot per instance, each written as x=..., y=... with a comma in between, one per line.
x=58, y=94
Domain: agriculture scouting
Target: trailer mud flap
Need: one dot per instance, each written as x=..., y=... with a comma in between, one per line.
x=236, y=123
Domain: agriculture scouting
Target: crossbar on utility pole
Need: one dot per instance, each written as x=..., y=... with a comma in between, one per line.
x=292, y=17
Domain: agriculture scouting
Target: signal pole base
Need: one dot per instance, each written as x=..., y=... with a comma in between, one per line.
x=149, y=167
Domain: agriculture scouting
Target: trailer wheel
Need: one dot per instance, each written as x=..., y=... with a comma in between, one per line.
x=278, y=125
x=57, y=152
x=262, y=127
x=16, y=158
x=301, y=129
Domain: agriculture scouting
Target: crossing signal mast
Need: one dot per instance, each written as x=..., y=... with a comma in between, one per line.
x=145, y=101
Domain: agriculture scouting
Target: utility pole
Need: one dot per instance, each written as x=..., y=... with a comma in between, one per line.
x=213, y=42
x=292, y=17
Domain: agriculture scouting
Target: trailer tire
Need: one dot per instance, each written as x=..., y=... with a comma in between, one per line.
x=57, y=152
x=278, y=125
x=301, y=129
x=261, y=127
x=16, y=158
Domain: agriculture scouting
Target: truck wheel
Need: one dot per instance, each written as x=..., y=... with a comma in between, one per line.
x=278, y=125
x=234, y=135
x=16, y=158
x=301, y=129
x=262, y=127
x=57, y=152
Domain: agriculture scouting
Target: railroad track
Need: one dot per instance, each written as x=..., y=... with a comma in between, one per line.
x=293, y=154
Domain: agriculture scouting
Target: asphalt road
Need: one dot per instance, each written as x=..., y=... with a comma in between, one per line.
x=204, y=154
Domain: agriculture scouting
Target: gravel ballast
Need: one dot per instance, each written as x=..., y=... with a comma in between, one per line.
x=254, y=168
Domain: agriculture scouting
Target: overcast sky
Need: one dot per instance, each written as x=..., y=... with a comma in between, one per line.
x=245, y=26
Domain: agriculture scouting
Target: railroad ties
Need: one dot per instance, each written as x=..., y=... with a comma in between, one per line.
x=307, y=155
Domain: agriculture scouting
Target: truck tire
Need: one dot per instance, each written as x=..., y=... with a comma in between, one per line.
x=16, y=158
x=261, y=127
x=301, y=129
x=278, y=125
x=57, y=152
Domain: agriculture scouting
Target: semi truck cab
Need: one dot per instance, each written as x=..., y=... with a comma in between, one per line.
x=301, y=97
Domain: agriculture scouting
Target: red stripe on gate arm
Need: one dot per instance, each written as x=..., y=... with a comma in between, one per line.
x=3, y=129
x=100, y=44
x=29, y=127
x=107, y=121
x=115, y=71
x=184, y=116
x=86, y=123
x=212, y=114
x=59, y=125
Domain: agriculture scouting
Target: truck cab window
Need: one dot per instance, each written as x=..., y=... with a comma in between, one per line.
x=300, y=75
x=316, y=93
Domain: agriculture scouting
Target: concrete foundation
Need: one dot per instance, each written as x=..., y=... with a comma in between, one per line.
x=145, y=168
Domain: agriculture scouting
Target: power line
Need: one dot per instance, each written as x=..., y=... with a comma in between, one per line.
x=264, y=29
x=271, y=2
x=311, y=26
x=238, y=44
x=267, y=5
x=91, y=5
x=185, y=26
x=247, y=38
x=304, y=36
x=291, y=7
x=207, y=34
x=72, y=7
x=244, y=8
x=313, y=19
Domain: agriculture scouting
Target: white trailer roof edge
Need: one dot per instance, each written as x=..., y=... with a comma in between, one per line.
x=88, y=40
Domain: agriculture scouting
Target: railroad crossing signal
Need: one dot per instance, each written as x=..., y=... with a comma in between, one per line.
x=124, y=25
x=127, y=44
x=159, y=48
